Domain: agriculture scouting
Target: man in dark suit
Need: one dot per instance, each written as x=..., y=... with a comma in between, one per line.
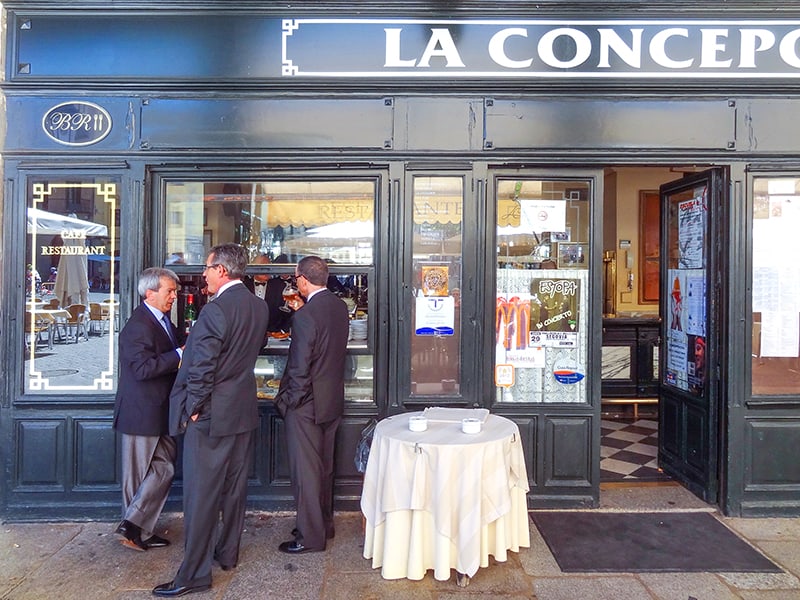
x=213, y=403
x=148, y=362
x=311, y=401
x=270, y=289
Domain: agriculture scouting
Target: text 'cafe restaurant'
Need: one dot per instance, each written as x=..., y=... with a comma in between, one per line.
x=526, y=210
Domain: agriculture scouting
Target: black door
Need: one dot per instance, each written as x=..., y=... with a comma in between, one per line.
x=692, y=226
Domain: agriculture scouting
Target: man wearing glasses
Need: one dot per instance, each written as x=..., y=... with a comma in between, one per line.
x=311, y=401
x=213, y=403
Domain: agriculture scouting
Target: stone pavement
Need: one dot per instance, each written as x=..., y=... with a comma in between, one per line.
x=85, y=561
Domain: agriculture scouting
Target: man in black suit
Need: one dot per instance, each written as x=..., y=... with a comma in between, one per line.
x=270, y=289
x=311, y=401
x=148, y=362
x=213, y=403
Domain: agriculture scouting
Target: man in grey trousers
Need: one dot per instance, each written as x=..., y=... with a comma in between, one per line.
x=149, y=355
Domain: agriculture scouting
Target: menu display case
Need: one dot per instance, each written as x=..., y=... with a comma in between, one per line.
x=352, y=289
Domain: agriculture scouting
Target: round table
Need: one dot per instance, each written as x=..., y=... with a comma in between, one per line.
x=442, y=499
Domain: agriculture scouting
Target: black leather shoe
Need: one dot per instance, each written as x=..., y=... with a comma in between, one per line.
x=156, y=541
x=295, y=547
x=170, y=590
x=131, y=536
x=329, y=535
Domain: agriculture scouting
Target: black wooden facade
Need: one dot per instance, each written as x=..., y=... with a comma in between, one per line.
x=203, y=87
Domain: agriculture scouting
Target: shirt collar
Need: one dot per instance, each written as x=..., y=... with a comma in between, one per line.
x=156, y=313
x=228, y=285
x=314, y=293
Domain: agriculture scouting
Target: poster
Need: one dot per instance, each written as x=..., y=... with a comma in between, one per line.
x=780, y=333
x=554, y=305
x=530, y=358
x=691, y=232
x=512, y=322
x=696, y=363
x=435, y=280
x=695, y=301
x=538, y=216
x=677, y=352
x=435, y=316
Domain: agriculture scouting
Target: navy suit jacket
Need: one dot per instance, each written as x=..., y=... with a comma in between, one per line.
x=317, y=354
x=216, y=378
x=148, y=364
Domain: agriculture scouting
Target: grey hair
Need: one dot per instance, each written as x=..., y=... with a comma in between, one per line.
x=314, y=269
x=231, y=256
x=150, y=279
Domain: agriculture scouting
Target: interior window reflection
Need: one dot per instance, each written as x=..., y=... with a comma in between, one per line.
x=331, y=219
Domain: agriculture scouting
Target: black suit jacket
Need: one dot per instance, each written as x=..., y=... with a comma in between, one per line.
x=315, y=369
x=148, y=364
x=273, y=296
x=216, y=378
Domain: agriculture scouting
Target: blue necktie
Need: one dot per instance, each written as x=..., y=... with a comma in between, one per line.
x=168, y=326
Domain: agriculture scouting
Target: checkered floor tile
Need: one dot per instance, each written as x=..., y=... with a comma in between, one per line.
x=629, y=450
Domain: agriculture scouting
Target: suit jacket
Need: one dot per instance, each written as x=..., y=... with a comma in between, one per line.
x=148, y=364
x=315, y=368
x=273, y=296
x=216, y=378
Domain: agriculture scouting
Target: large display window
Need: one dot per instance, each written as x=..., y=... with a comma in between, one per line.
x=280, y=222
x=71, y=293
x=542, y=296
x=436, y=309
x=776, y=287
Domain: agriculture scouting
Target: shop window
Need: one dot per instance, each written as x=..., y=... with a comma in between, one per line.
x=332, y=219
x=542, y=295
x=436, y=311
x=71, y=314
x=776, y=287
x=279, y=222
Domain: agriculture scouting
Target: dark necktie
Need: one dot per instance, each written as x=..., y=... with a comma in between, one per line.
x=168, y=327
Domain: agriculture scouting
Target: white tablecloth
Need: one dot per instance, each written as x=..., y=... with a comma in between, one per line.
x=443, y=499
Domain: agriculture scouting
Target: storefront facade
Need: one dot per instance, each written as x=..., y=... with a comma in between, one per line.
x=461, y=175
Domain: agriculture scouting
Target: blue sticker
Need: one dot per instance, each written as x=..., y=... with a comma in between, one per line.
x=565, y=376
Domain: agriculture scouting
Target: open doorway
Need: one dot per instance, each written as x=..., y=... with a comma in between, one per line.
x=632, y=323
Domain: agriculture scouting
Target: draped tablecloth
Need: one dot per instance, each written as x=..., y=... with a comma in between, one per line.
x=442, y=499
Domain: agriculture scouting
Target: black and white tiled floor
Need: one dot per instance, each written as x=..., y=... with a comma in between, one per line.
x=629, y=450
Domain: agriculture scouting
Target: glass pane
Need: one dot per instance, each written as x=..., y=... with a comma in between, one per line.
x=280, y=222
x=72, y=303
x=686, y=334
x=616, y=362
x=331, y=219
x=358, y=379
x=541, y=314
x=436, y=311
x=776, y=286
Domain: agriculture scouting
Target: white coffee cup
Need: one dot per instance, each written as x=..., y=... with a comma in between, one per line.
x=471, y=425
x=417, y=423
